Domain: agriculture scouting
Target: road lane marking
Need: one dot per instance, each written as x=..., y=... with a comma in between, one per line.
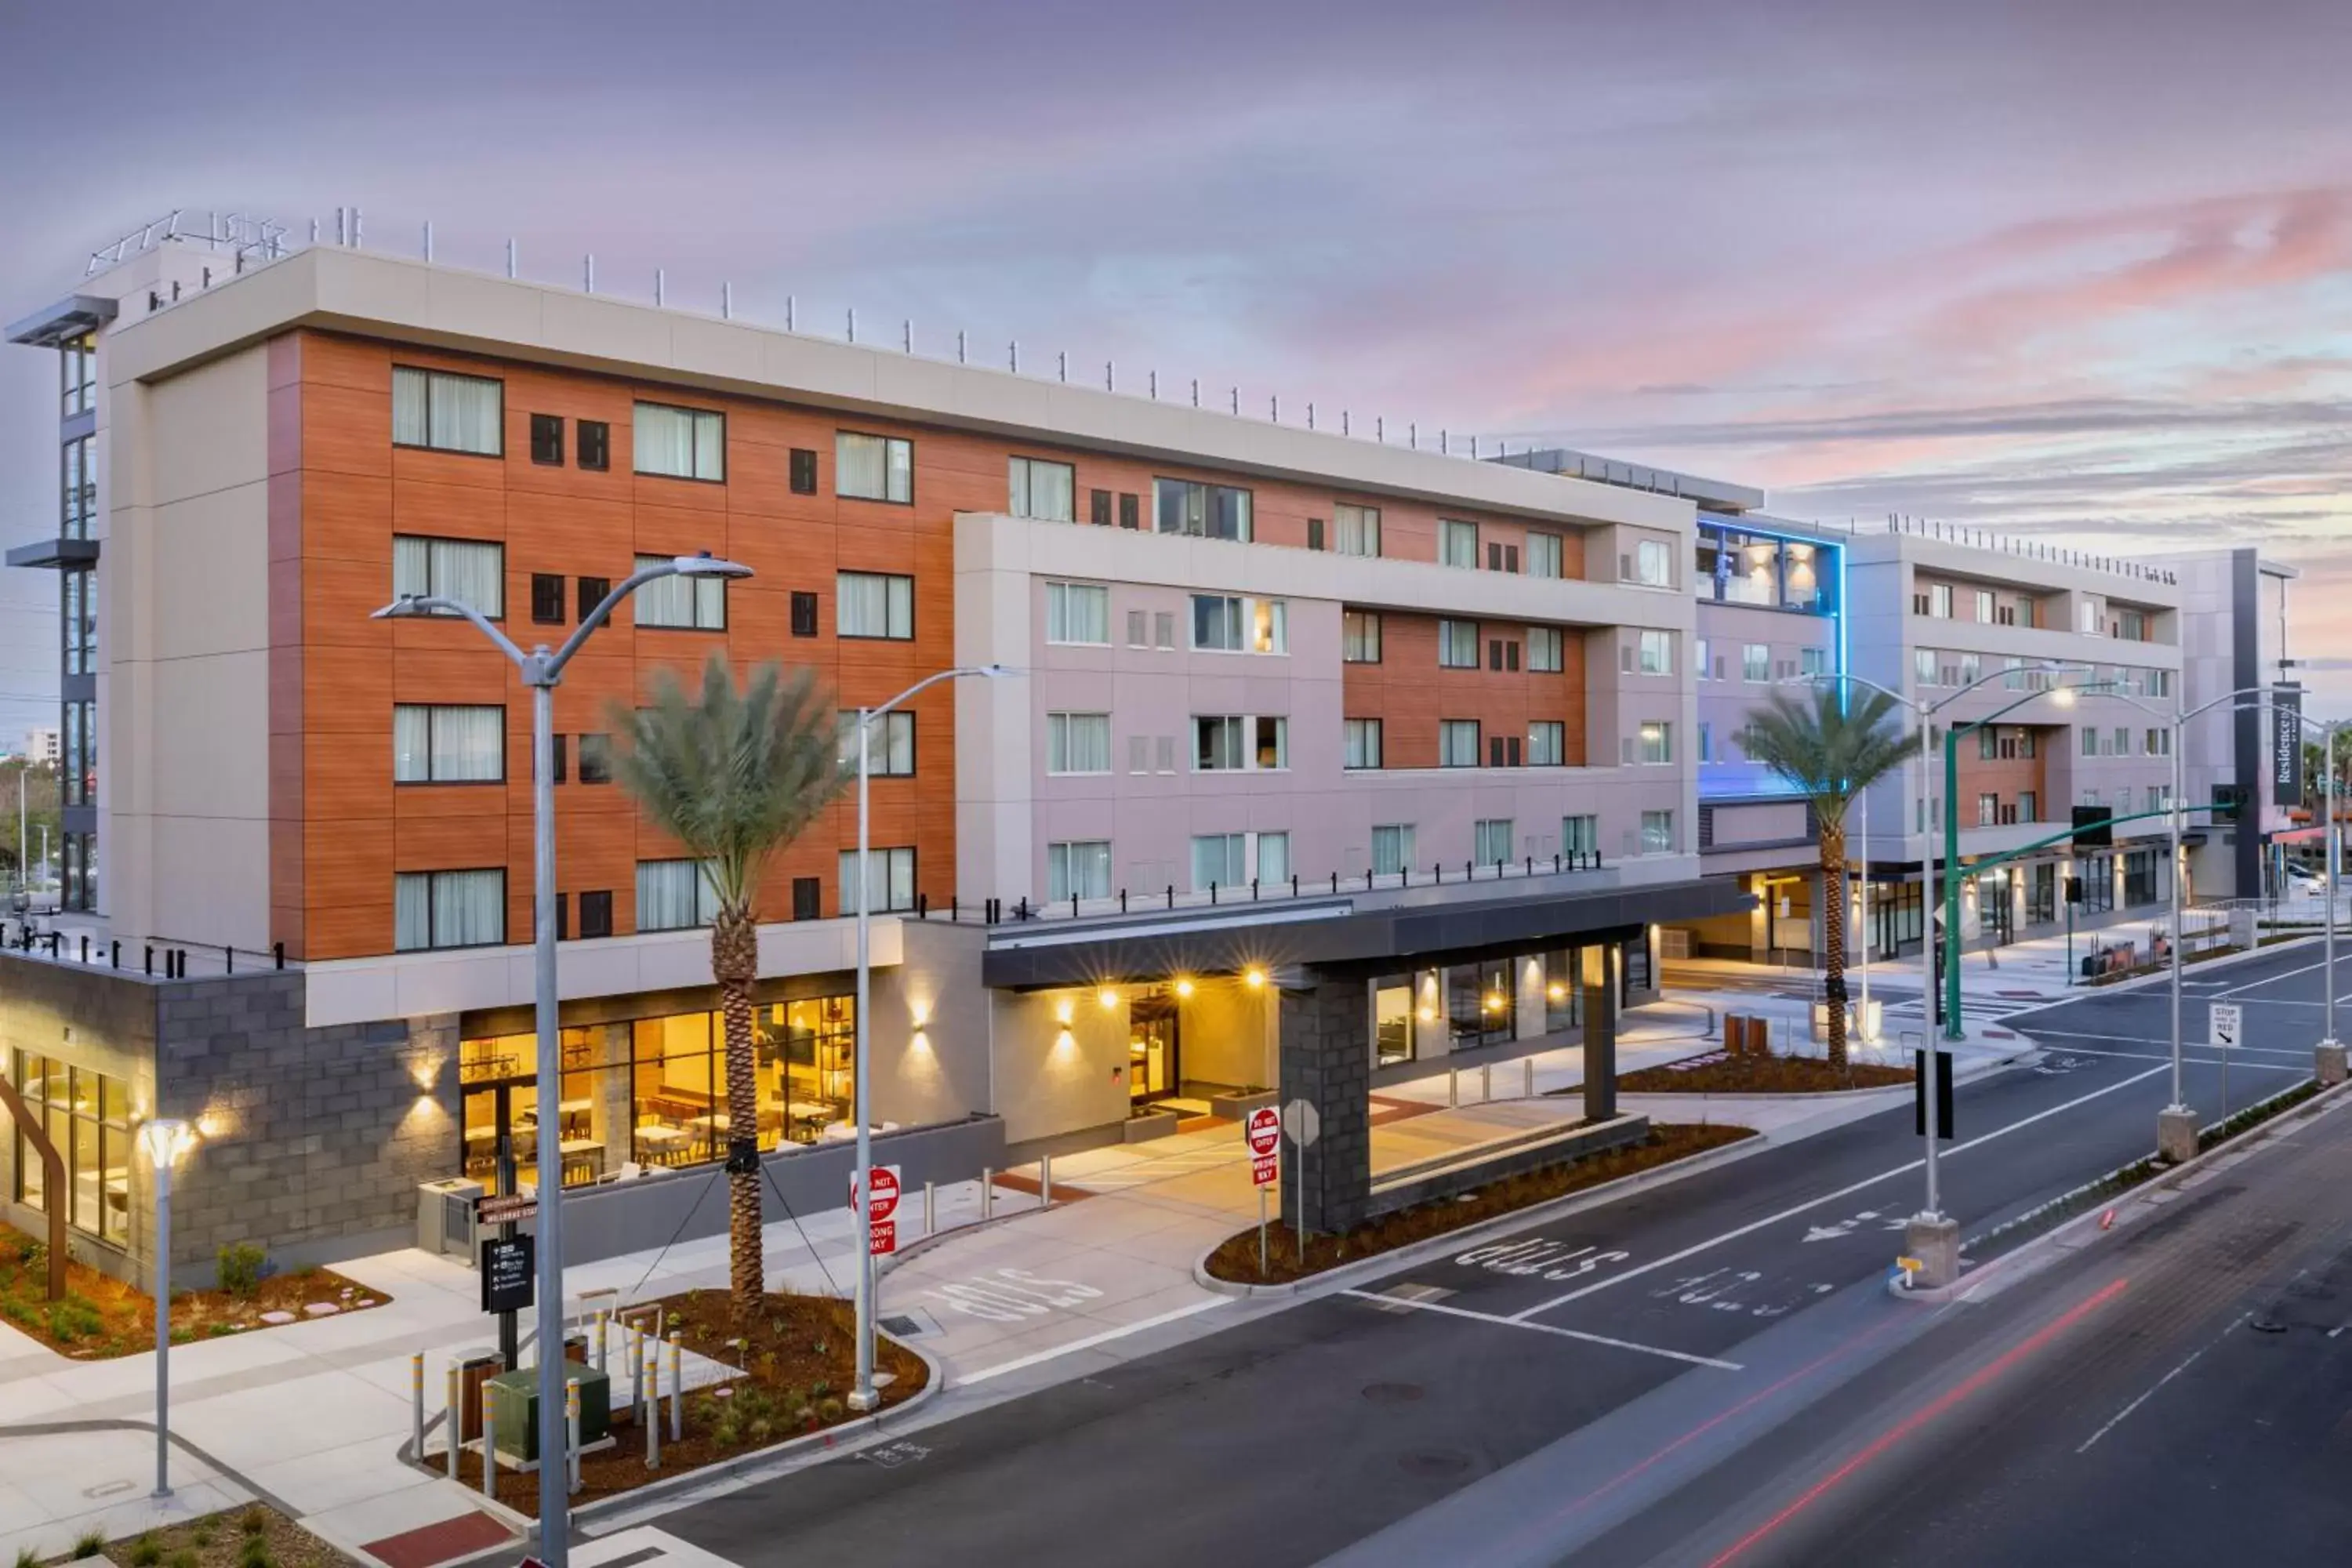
x=1419, y=1305
x=1844, y=1191
x=2270, y=980
x=2203, y=1061
x=1016, y=1364
x=2115, y=1420
x=2143, y=1040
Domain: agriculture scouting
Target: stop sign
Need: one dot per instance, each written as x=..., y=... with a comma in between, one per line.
x=1264, y=1130
x=885, y=1199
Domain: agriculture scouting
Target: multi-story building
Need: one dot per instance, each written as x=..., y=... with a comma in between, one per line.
x=41, y=747
x=1316, y=744
x=2234, y=616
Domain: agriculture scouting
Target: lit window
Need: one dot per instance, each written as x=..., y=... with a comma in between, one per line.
x=448, y=413
x=873, y=467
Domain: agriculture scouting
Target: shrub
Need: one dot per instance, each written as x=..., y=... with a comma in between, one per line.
x=725, y=1434
x=254, y=1522
x=28, y=1558
x=181, y=1557
x=89, y=1544
x=239, y=1266
x=146, y=1552
x=829, y=1410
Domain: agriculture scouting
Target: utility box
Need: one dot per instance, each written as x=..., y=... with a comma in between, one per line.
x=517, y=1415
x=445, y=1216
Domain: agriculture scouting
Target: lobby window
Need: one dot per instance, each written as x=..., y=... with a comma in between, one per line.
x=1493, y=839
x=1205, y=512
x=1392, y=849
x=547, y=439
x=1545, y=649
x=1272, y=742
x=1398, y=1017
x=682, y=604
x=1457, y=743
x=1457, y=644
x=1048, y=490
x=1077, y=742
x=594, y=446
x=800, y=469
x=680, y=443
x=1363, y=742
x=1458, y=544
x=470, y=570
x=1354, y=529
x=546, y=599
x=1547, y=743
x=87, y=1116
x=1078, y=869
x=1481, y=1004
x=674, y=895
x=1657, y=653
x=1657, y=745
x=78, y=487
x=1360, y=636
x=1222, y=859
x=1077, y=614
x=891, y=750
x=1219, y=744
x=1580, y=836
x=448, y=413
x=448, y=745
x=889, y=880
x=1657, y=832
x=874, y=604
x=1544, y=555
x=449, y=909
x=1653, y=564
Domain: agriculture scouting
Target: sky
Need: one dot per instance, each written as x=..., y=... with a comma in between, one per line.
x=2074, y=271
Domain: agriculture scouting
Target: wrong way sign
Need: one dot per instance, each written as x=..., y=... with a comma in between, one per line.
x=1263, y=1129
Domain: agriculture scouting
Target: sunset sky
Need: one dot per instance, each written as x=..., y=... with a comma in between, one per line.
x=2075, y=271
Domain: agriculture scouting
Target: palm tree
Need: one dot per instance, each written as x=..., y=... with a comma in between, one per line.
x=734, y=775
x=1831, y=746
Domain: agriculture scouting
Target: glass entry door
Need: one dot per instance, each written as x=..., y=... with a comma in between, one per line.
x=1152, y=1071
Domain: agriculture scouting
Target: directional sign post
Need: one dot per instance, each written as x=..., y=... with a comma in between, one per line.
x=2225, y=1020
x=507, y=1276
x=1262, y=1131
x=881, y=1226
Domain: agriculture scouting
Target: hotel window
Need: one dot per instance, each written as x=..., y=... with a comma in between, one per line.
x=1700, y=670
x=1544, y=649
x=78, y=777
x=1222, y=859
x=808, y=898
x=803, y=614
x=1926, y=670
x=78, y=622
x=1138, y=629
x=1458, y=743
x=680, y=443
x=680, y=603
x=1099, y=505
x=1939, y=600
x=87, y=1116
x=1271, y=748
x=1163, y=629
x=1049, y=491
x=1706, y=742
x=1492, y=839
x=873, y=468
x=1392, y=849
x=1219, y=744
x=2160, y=684
x=597, y=913
x=448, y=413
x=1363, y=743
x=79, y=487
x=1269, y=625
x=1503, y=654
x=595, y=444
x=445, y=744
x=675, y=895
x=1356, y=530
x=1987, y=810
x=547, y=598
x=78, y=373
x=547, y=439
x=1983, y=604
x=1657, y=653
x=1216, y=623
x=1079, y=870
x=1657, y=832
x=1205, y=512
x=1580, y=836
x=449, y=909
x=1547, y=743
x=471, y=571
x=1131, y=511
x=889, y=880
x=1077, y=614
x=891, y=754
x=1544, y=555
x=1077, y=742
x=1502, y=557
x=2158, y=743
x=589, y=593
x=1272, y=857
x=1458, y=544
x=1653, y=564
x=1503, y=750
x=1756, y=661
x=1657, y=742
x=2029, y=806
x=1360, y=636
x=877, y=605
x=800, y=470
x=1457, y=644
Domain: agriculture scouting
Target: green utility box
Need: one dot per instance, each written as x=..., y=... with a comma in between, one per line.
x=517, y=1413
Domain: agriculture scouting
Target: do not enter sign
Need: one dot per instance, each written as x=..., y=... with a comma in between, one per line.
x=1264, y=1132
x=881, y=1229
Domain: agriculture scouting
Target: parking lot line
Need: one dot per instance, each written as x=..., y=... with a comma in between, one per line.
x=1418, y=1304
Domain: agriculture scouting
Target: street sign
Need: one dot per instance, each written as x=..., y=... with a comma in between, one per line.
x=1263, y=1129
x=881, y=1229
x=507, y=1274
x=881, y=1237
x=508, y=1208
x=1300, y=1120
x=2223, y=1022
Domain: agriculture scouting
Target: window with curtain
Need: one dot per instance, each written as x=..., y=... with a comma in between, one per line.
x=1363, y=740
x=472, y=571
x=1205, y=512
x=1392, y=849
x=1457, y=743
x=1045, y=490
x=1269, y=625
x=1356, y=530
x=1219, y=858
x=1077, y=612
x=1458, y=544
x=1273, y=742
x=873, y=467
x=448, y=413
x=1657, y=742
x=889, y=880
x=1078, y=869
x=1274, y=857
x=874, y=604
x=1217, y=744
x=448, y=745
x=1544, y=555
x=1216, y=623
x=674, y=895
x=1547, y=743
x=1077, y=742
x=1657, y=832
x=1580, y=835
x=1360, y=636
x=891, y=753
x=449, y=909
x=1493, y=839
x=1653, y=564
x=679, y=443
x=1545, y=646
x=680, y=603
x=1657, y=653
x=1457, y=644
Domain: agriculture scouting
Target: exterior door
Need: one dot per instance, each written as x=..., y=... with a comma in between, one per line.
x=1152, y=1070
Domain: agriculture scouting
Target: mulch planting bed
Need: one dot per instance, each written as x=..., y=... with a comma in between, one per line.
x=101, y=1316
x=1719, y=1074
x=253, y=1536
x=1235, y=1257
x=799, y=1359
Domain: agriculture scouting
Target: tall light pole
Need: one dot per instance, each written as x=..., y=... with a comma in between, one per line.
x=2328, y=1057
x=862, y=1397
x=542, y=671
x=164, y=1140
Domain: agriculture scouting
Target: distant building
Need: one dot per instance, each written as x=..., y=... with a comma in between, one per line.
x=41, y=746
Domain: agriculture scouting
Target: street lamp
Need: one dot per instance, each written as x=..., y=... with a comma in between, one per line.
x=2328, y=1056
x=542, y=671
x=862, y=1397
x=163, y=1140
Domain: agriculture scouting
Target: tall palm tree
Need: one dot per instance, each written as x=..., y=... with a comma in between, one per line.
x=734, y=775
x=1831, y=746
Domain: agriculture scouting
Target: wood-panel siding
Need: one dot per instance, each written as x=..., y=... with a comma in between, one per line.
x=1410, y=693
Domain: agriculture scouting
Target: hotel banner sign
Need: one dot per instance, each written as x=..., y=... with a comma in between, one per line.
x=2286, y=747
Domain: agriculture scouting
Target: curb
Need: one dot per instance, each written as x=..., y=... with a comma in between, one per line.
x=1981, y=1067
x=2164, y=975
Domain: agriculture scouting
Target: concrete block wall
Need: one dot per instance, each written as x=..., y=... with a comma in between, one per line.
x=1327, y=1061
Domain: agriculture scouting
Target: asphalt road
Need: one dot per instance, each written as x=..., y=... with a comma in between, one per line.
x=1523, y=1399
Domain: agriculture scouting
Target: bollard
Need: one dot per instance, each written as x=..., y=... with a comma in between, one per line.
x=1453, y=1087
x=676, y=1387
x=603, y=1323
x=1486, y=1082
x=633, y=1347
x=489, y=1441
x=571, y=1429
x=416, y=1398
x=987, y=1190
x=930, y=1196
x=456, y=1422
x=649, y=1374
x=1045, y=1180
x=1531, y=1078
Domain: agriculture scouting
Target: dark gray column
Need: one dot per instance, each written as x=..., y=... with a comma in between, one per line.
x=1327, y=1061
x=1604, y=973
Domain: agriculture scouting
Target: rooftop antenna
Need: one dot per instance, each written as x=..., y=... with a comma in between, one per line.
x=1274, y=408
x=1310, y=416
x=355, y=228
x=1413, y=434
x=314, y=231
x=1155, y=385
x=1237, y=403
x=1343, y=423
x=588, y=274
x=1196, y=391
x=1380, y=429
x=510, y=258
x=726, y=302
